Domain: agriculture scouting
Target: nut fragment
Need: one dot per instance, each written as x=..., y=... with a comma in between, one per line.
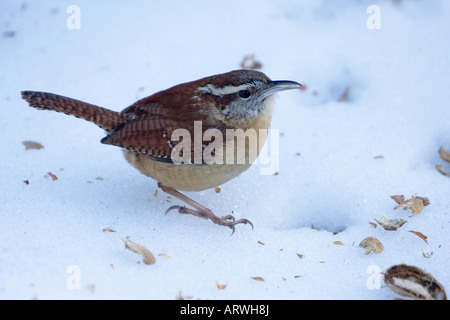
x=258, y=279
x=372, y=245
x=54, y=178
x=32, y=145
x=165, y=256
x=441, y=169
x=137, y=248
x=249, y=62
x=373, y=224
x=444, y=154
x=220, y=286
x=413, y=282
x=420, y=235
x=181, y=297
x=390, y=224
x=415, y=204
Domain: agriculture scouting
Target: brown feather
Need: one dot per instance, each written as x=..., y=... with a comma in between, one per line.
x=106, y=119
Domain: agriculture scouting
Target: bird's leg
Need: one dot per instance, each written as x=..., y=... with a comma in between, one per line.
x=202, y=211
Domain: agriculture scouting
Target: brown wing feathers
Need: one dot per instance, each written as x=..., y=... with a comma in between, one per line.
x=148, y=136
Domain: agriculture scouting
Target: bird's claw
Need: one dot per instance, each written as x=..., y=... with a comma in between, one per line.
x=227, y=221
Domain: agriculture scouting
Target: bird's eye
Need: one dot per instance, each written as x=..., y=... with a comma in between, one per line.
x=244, y=94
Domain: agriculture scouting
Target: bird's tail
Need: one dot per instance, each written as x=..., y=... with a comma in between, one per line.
x=106, y=119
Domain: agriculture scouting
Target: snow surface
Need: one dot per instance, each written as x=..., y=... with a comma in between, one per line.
x=329, y=184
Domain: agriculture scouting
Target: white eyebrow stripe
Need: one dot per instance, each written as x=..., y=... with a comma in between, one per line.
x=209, y=88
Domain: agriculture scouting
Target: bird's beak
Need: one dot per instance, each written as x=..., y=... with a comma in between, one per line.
x=280, y=85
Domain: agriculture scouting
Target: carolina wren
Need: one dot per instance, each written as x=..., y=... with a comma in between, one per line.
x=240, y=99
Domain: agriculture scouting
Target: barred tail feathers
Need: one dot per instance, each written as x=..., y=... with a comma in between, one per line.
x=106, y=119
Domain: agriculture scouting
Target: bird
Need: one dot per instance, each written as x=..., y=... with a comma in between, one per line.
x=189, y=136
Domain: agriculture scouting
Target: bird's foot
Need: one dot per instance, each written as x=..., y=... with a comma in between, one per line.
x=227, y=221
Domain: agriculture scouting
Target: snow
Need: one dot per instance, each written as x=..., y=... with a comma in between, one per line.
x=329, y=184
